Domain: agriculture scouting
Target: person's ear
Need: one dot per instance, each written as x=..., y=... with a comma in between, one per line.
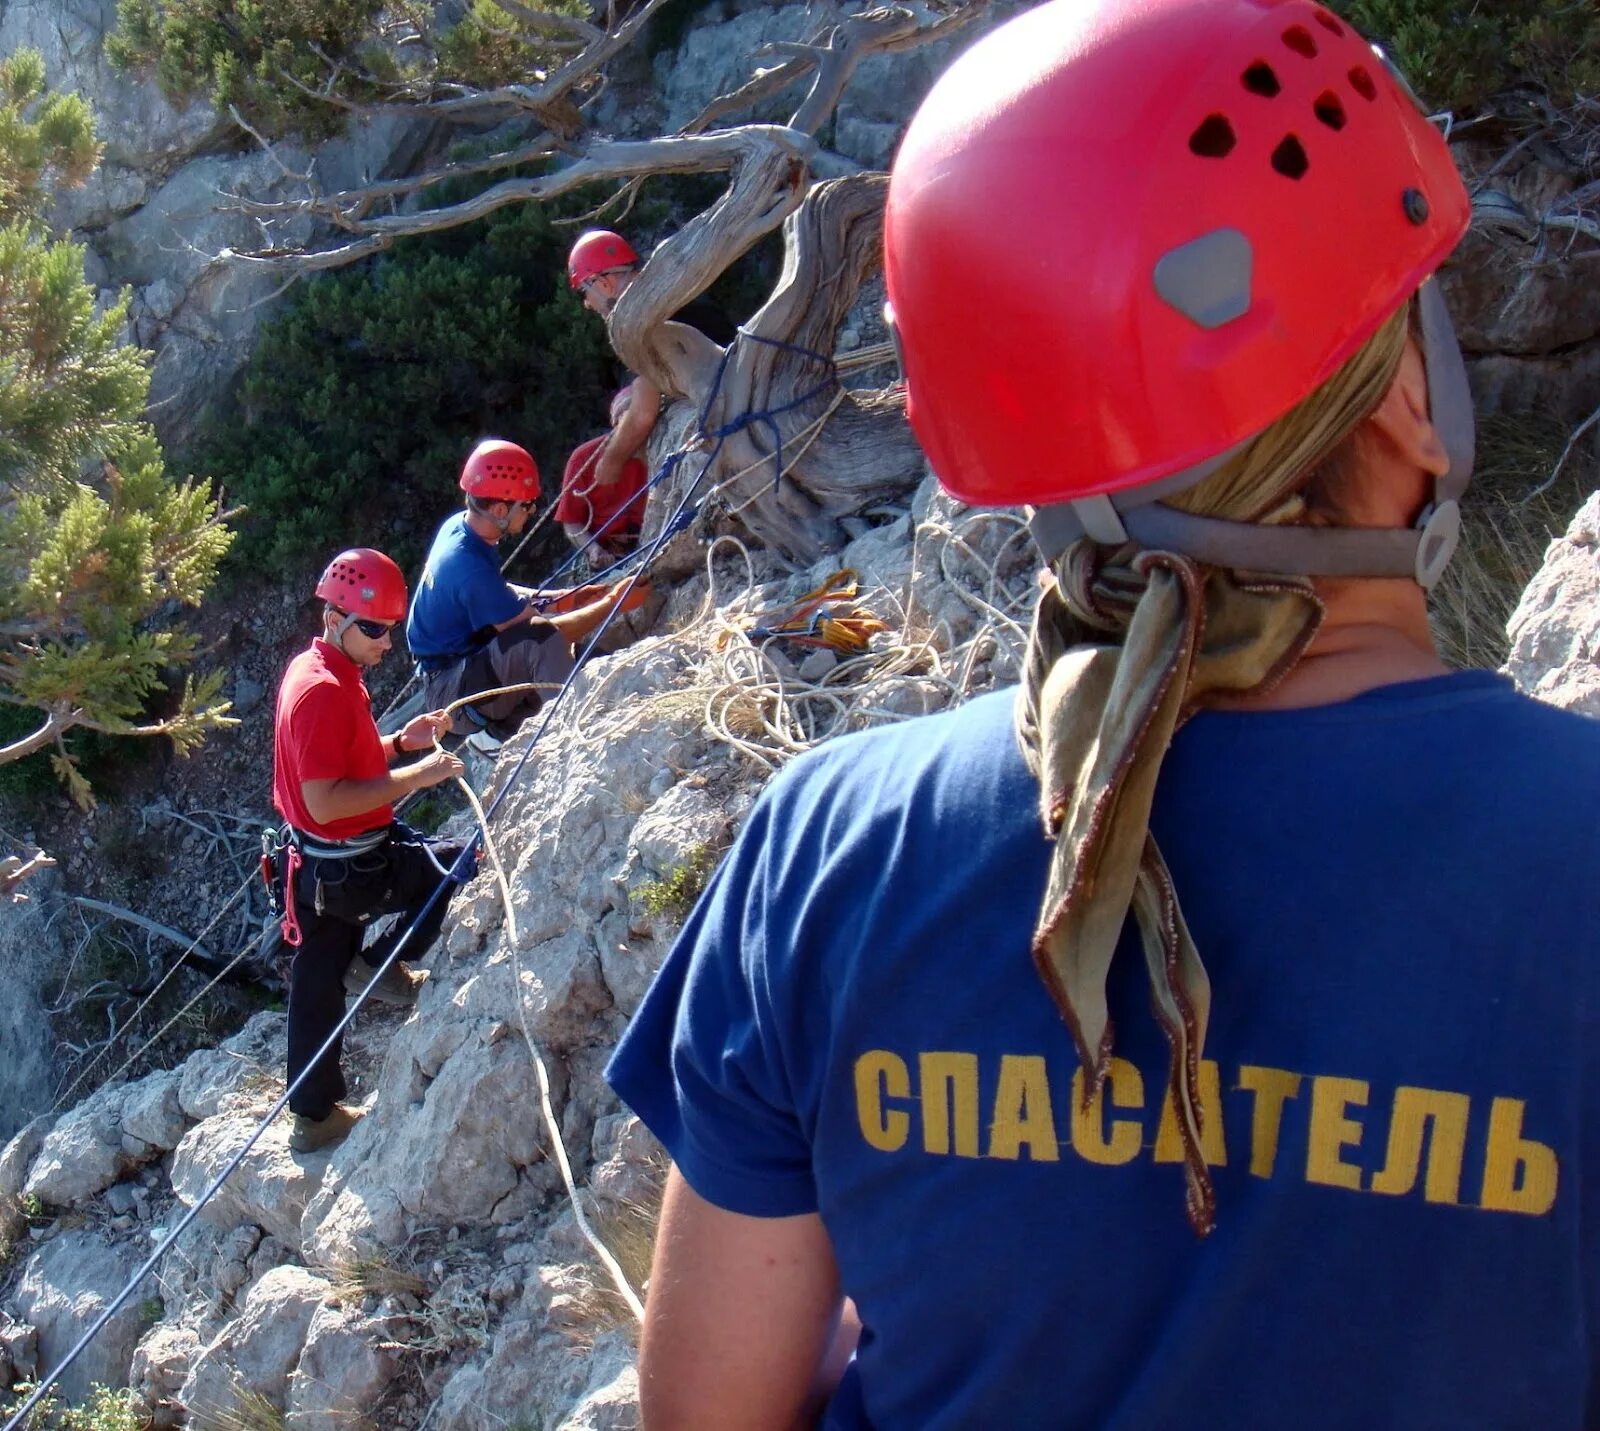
x=1401, y=419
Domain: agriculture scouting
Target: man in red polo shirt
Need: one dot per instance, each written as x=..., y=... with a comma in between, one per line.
x=346, y=859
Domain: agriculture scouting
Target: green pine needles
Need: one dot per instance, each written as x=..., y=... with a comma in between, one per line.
x=369, y=387
x=95, y=538
x=1462, y=54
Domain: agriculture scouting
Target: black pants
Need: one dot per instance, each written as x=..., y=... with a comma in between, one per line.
x=335, y=900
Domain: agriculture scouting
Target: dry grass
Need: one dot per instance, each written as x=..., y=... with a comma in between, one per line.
x=628, y=1229
x=1505, y=533
x=251, y=1411
x=363, y=1277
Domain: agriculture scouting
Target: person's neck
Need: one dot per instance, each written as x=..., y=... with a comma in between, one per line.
x=1374, y=633
x=480, y=524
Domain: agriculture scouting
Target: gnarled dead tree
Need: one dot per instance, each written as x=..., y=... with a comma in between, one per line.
x=775, y=393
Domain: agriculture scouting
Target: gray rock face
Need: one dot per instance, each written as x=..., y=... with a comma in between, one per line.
x=151, y=1111
x=247, y=1064
x=16, y=1158
x=113, y=1132
x=1555, y=630
x=341, y=1373
x=82, y=1154
x=149, y=214
x=30, y=950
x=714, y=58
x=144, y=133
x=64, y=1286
x=269, y=1189
x=257, y=1351
x=161, y=1365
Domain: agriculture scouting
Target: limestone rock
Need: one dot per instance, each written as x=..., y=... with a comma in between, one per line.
x=82, y=1154
x=64, y=1286
x=19, y=1350
x=450, y=1155
x=1555, y=630
x=610, y=1402
x=341, y=1373
x=260, y=1348
x=161, y=1364
x=15, y=1160
x=251, y=1061
x=151, y=1111
x=269, y=1189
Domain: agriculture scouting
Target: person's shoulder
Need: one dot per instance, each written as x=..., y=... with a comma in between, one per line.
x=447, y=538
x=1535, y=732
x=1535, y=765
x=310, y=683
x=968, y=750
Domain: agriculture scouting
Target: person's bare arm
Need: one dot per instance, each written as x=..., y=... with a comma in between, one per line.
x=328, y=800
x=630, y=434
x=742, y=1314
x=574, y=626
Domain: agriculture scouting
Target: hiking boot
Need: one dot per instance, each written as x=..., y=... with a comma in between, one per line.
x=485, y=743
x=309, y=1134
x=398, y=985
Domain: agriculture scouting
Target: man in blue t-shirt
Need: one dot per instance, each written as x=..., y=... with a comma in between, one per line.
x=1205, y=1034
x=471, y=630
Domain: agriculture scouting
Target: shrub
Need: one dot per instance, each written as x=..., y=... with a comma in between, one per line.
x=363, y=397
x=1459, y=54
x=673, y=895
x=239, y=51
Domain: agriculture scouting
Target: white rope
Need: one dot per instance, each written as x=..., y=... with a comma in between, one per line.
x=541, y=1071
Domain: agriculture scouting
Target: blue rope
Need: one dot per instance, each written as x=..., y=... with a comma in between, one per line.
x=681, y=517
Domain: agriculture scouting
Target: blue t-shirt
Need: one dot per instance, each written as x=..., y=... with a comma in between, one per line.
x=1396, y=900
x=460, y=597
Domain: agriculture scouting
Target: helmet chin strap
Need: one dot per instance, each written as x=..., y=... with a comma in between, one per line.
x=1420, y=552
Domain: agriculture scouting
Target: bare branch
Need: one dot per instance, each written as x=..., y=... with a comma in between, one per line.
x=54, y=724
x=604, y=159
x=351, y=204
x=300, y=261
x=116, y=911
x=267, y=147
x=14, y=869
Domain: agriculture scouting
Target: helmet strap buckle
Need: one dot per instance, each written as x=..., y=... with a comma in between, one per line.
x=1439, y=529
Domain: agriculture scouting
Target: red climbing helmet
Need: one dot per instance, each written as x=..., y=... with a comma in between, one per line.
x=596, y=252
x=1223, y=199
x=364, y=582
x=499, y=471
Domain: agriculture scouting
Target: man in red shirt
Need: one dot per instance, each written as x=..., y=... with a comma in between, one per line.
x=346, y=859
x=614, y=511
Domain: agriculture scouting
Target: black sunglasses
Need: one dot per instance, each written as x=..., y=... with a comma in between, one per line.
x=372, y=630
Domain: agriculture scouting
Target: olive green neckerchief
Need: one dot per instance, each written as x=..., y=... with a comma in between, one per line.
x=1120, y=655
x=1126, y=645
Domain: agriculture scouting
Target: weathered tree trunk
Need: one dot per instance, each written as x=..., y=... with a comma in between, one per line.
x=862, y=454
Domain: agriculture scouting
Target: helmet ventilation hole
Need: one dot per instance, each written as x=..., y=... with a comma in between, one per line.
x=1289, y=158
x=1260, y=79
x=1361, y=82
x=1214, y=139
x=1328, y=23
x=1298, y=39
x=1329, y=110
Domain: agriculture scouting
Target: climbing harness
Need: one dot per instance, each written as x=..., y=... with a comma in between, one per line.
x=825, y=618
x=711, y=442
